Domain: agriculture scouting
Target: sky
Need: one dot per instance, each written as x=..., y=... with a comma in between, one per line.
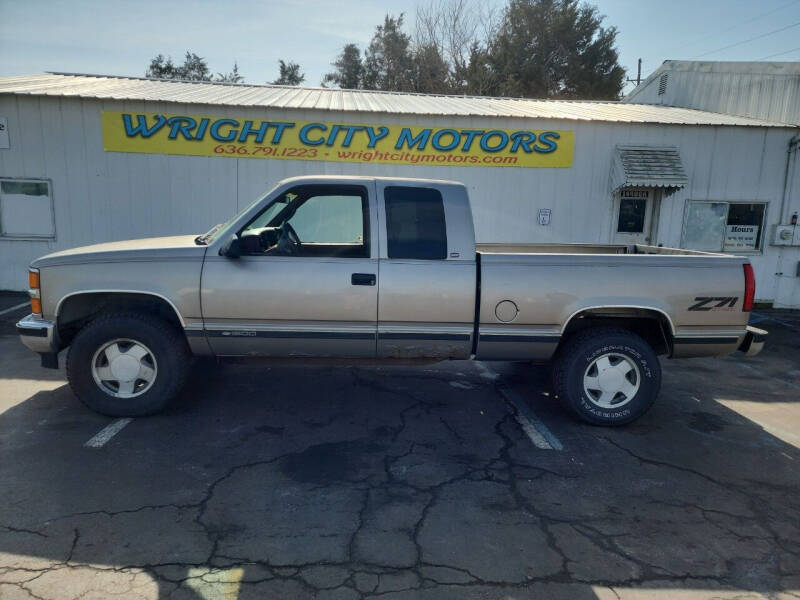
x=119, y=37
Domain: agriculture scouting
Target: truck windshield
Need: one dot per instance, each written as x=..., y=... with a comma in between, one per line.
x=276, y=206
x=213, y=233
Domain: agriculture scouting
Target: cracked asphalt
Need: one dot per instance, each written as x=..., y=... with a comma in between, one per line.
x=403, y=482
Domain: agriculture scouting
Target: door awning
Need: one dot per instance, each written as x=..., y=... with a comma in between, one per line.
x=648, y=166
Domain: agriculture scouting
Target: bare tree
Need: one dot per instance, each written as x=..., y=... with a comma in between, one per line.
x=530, y=48
x=460, y=31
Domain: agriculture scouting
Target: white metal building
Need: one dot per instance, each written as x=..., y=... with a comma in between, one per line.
x=763, y=90
x=86, y=159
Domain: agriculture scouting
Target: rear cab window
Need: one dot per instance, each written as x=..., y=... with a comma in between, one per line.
x=415, y=223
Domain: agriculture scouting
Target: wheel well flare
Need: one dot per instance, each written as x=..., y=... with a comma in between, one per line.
x=654, y=326
x=77, y=309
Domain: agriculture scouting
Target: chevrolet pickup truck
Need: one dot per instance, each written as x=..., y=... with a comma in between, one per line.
x=381, y=269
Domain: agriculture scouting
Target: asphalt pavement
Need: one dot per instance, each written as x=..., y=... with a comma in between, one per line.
x=455, y=480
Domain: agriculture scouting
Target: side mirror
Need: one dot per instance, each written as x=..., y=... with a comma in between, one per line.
x=231, y=248
x=250, y=243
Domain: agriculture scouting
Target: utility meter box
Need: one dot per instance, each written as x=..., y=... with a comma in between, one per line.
x=784, y=235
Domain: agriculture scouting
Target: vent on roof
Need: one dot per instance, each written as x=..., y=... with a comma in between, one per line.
x=662, y=84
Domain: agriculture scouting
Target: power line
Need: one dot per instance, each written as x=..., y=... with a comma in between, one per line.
x=779, y=54
x=748, y=21
x=752, y=39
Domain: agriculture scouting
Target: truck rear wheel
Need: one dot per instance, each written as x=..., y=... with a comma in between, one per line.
x=607, y=376
x=127, y=364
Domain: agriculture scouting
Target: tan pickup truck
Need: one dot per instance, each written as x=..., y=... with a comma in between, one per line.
x=366, y=269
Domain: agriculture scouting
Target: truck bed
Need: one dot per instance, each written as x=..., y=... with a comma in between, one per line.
x=695, y=296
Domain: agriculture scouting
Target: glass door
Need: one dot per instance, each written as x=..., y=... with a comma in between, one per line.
x=633, y=216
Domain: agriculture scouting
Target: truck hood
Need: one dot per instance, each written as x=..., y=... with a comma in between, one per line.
x=145, y=249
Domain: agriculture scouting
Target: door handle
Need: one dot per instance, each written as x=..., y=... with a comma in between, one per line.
x=363, y=279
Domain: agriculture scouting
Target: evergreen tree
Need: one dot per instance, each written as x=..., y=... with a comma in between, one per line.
x=555, y=49
x=388, y=61
x=478, y=77
x=232, y=77
x=348, y=69
x=161, y=68
x=431, y=71
x=194, y=68
x=289, y=74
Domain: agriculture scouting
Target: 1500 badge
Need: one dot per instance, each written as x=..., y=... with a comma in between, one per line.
x=713, y=303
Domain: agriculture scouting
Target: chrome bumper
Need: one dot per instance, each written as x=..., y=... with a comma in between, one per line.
x=38, y=334
x=753, y=341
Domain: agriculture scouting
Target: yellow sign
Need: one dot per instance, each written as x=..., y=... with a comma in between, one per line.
x=194, y=135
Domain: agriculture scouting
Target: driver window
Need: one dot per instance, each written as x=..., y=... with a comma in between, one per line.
x=329, y=220
x=312, y=220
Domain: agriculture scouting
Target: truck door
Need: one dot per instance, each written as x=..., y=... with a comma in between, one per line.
x=426, y=294
x=310, y=289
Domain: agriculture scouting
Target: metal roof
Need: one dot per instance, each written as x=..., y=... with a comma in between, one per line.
x=274, y=96
x=647, y=166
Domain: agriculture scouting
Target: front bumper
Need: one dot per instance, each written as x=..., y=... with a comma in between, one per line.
x=38, y=334
x=753, y=341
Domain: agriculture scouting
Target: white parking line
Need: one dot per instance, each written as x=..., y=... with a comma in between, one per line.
x=106, y=433
x=13, y=308
x=486, y=372
x=759, y=318
x=531, y=425
x=524, y=413
x=761, y=372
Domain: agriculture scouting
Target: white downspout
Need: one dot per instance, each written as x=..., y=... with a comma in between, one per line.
x=783, y=218
x=794, y=143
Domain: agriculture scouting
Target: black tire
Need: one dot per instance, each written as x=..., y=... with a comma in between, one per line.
x=166, y=343
x=577, y=356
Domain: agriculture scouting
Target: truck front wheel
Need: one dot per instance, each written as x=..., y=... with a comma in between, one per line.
x=607, y=376
x=127, y=364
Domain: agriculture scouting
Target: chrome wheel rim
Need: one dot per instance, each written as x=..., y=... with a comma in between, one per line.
x=124, y=368
x=611, y=380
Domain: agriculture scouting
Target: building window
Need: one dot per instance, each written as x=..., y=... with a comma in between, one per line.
x=724, y=226
x=632, y=212
x=26, y=209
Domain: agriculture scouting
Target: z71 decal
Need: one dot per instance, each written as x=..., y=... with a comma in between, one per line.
x=709, y=303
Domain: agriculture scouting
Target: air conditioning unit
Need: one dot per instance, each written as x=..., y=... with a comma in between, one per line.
x=784, y=235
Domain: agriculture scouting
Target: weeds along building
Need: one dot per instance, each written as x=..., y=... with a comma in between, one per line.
x=86, y=159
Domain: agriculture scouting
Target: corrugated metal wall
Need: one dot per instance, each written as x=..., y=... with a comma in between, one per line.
x=102, y=196
x=769, y=91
